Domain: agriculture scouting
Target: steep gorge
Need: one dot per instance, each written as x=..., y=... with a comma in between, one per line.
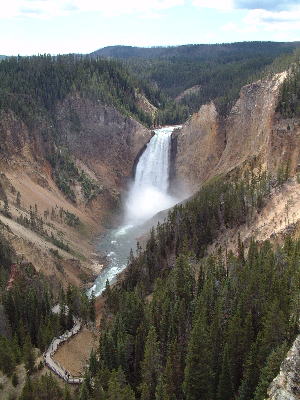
x=103, y=144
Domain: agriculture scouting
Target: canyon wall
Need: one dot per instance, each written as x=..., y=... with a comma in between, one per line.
x=200, y=144
x=103, y=143
x=209, y=144
x=101, y=137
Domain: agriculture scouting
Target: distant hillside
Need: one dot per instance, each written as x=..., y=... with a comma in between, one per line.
x=126, y=52
x=228, y=51
x=219, y=69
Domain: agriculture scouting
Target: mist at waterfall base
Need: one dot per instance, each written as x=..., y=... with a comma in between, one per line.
x=149, y=192
x=147, y=196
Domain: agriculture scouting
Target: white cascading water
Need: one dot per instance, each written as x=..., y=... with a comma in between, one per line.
x=149, y=192
x=147, y=196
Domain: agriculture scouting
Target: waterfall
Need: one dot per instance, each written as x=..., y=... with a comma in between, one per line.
x=153, y=166
x=149, y=192
x=147, y=196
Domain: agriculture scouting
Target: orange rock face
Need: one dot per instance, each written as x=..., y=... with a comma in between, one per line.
x=209, y=145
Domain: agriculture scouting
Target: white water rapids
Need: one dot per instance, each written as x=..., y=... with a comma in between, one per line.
x=147, y=196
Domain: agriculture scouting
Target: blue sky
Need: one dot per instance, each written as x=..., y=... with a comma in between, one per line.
x=64, y=26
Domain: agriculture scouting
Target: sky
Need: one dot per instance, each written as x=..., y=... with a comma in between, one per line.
x=81, y=26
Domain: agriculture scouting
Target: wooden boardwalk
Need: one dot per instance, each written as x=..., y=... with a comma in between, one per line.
x=54, y=365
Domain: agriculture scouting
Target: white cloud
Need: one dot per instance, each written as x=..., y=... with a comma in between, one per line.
x=216, y=4
x=231, y=26
x=52, y=8
x=271, y=5
x=272, y=21
x=282, y=25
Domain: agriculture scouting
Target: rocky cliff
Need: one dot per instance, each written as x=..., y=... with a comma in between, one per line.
x=102, y=138
x=102, y=145
x=200, y=144
x=286, y=386
x=209, y=144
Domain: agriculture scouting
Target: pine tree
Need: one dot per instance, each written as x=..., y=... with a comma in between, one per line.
x=7, y=357
x=161, y=390
x=197, y=374
x=84, y=393
x=18, y=200
x=108, y=294
x=67, y=394
x=117, y=387
x=250, y=375
x=270, y=370
x=16, y=349
x=225, y=389
x=14, y=379
x=92, y=308
x=274, y=330
x=93, y=363
x=235, y=349
x=173, y=373
x=27, y=390
x=28, y=355
x=151, y=366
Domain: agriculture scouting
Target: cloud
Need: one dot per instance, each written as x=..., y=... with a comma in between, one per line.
x=280, y=18
x=271, y=5
x=52, y=8
x=274, y=21
x=268, y=5
x=279, y=25
x=216, y=4
x=30, y=11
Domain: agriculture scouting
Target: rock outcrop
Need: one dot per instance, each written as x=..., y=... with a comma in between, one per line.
x=194, y=90
x=145, y=105
x=200, y=144
x=98, y=135
x=209, y=144
x=286, y=386
x=101, y=137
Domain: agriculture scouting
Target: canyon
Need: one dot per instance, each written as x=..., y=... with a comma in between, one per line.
x=105, y=147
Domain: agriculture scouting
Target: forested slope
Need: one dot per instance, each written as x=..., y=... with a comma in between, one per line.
x=213, y=327
x=289, y=104
x=187, y=324
x=218, y=70
x=32, y=85
x=27, y=323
